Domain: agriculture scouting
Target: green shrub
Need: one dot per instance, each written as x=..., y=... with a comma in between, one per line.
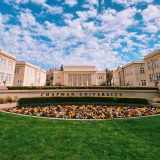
x=43, y=101
x=1, y=100
x=80, y=87
x=8, y=100
x=15, y=99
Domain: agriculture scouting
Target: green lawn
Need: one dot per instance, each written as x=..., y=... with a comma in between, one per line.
x=26, y=138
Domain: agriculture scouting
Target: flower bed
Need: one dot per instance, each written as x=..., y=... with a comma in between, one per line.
x=85, y=111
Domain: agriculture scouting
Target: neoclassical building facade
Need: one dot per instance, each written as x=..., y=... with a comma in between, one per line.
x=27, y=74
x=142, y=73
x=79, y=76
x=7, y=68
x=21, y=73
x=152, y=66
x=132, y=74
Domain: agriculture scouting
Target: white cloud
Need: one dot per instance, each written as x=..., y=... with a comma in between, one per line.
x=91, y=2
x=26, y=47
x=27, y=19
x=151, y=13
x=79, y=38
x=3, y=21
x=131, y=2
x=151, y=17
x=151, y=28
x=42, y=3
x=71, y=2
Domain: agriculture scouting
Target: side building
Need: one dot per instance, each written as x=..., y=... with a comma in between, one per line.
x=152, y=66
x=27, y=74
x=132, y=74
x=78, y=76
x=7, y=68
x=118, y=77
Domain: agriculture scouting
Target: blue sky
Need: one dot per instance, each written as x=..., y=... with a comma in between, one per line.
x=105, y=33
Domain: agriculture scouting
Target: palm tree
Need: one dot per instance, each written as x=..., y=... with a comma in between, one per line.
x=61, y=68
x=109, y=76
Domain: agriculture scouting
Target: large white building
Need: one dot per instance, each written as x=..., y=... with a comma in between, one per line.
x=79, y=76
x=152, y=66
x=21, y=73
x=27, y=74
x=132, y=74
x=144, y=73
x=7, y=68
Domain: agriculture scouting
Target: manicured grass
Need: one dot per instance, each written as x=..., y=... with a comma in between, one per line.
x=27, y=138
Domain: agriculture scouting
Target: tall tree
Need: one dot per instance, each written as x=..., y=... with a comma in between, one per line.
x=109, y=76
x=61, y=68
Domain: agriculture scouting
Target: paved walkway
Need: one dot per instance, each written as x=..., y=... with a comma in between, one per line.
x=7, y=105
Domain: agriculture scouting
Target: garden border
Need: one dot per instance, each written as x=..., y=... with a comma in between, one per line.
x=77, y=119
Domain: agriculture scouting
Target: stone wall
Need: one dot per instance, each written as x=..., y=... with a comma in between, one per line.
x=148, y=94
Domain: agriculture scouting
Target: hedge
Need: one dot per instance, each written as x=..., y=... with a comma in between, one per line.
x=79, y=87
x=44, y=101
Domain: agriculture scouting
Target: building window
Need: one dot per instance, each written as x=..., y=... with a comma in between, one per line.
x=142, y=70
x=143, y=82
x=153, y=64
x=10, y=65
x=100, y=77
x=150, y=77
x=9, y=78
x=148, y=64
x=17, y=71
x=154, y=77
x=128, y=83
x=2, y=63
x=159, y=76
x=156, y=63
x=19, y=83
x=2, y=76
